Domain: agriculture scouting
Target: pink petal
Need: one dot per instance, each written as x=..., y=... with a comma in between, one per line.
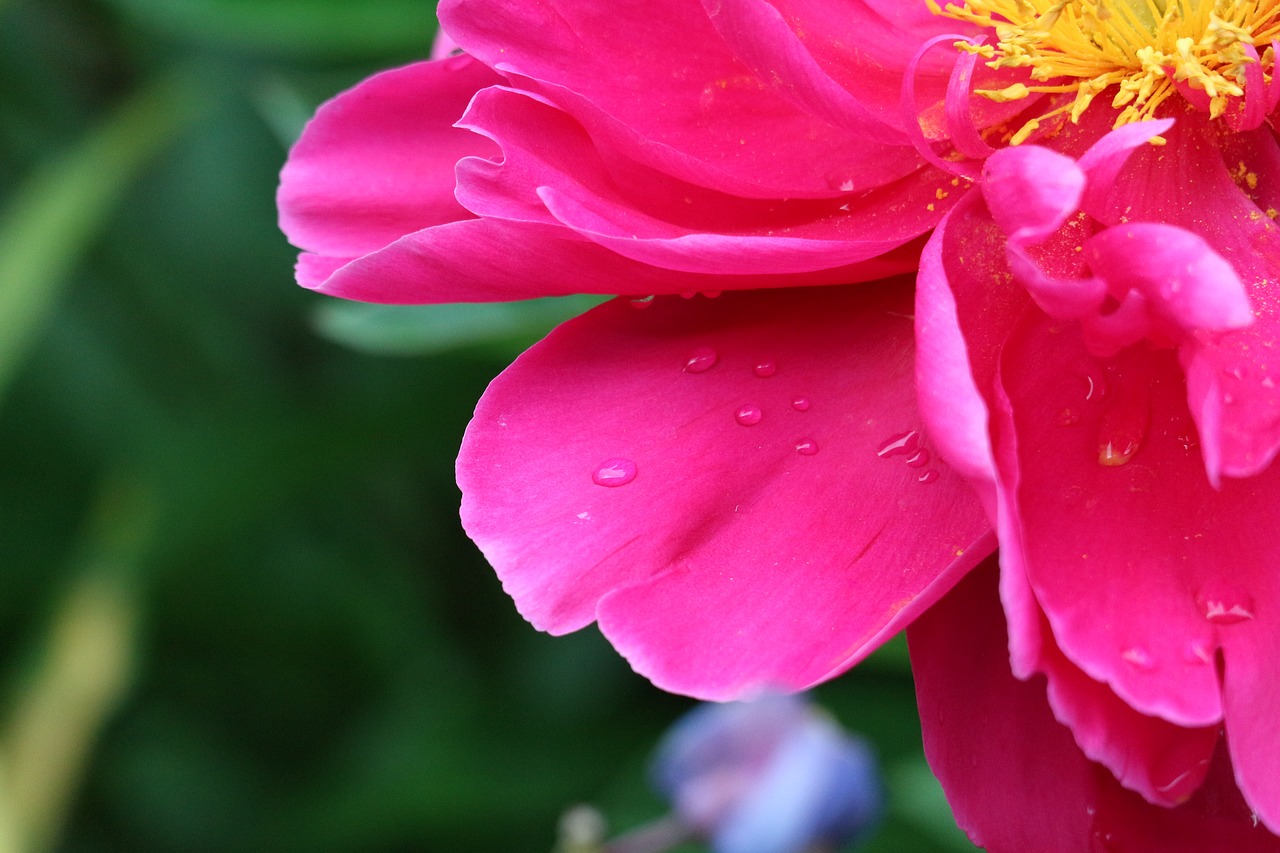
x=552, y=172
x=1145, y=571
x=961, y=314
x=1108, y=547
x=1030, y=191
x=761, y=37
x=1233, y=390
x=1164, y=763
x=1013, y=774
x=659, y=84
x=779, y=518
x=495, y=260
x=376, y=162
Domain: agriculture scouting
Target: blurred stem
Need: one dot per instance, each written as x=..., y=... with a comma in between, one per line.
x=84, y=669
x=59, y=209
x=660, y=835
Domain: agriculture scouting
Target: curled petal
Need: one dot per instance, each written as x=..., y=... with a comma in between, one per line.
x=377, y=161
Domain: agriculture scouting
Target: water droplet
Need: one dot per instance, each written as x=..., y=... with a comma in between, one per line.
x=1197, y=652
x=701, y=360
x=748, y=415
x=806, y=447
x=614, y=472
x=801, y=404
x=1124, y=425
x=930, y=476
x=897, y=445
x=688, y=294
x=1139, y=658
x=641, y=301
x=919, y=459
x=1188, y=442
x=1225, y=605
x=765, y=369
x=712, y=294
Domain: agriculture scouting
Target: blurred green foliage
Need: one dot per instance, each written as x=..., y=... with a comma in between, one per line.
x=246, y=531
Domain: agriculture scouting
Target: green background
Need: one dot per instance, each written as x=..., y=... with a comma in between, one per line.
x=237, y=612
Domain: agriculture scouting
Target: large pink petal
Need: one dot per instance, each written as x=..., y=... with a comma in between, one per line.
x=1144, y=570
x=658, y=82
x=1013, y=775
x=772, y=554
x=377, y=161
x=551, y=171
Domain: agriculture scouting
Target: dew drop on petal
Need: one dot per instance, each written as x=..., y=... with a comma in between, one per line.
x=919, y=459
x=712, y=294
x=1139, y=658
x=800, y=404
x=1197, y=652
x=930, y=476
x=1225, y=605
x=641, y=301
x=748, y=415
x=614, y=472
x=688, y=294
x=1124, y=427
x=904, y=443
x=701, y=360
x=765, y=369
x=806, y=447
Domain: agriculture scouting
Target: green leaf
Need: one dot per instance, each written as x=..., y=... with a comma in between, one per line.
x=60, y=208
x=427, y=329
x=329, y=28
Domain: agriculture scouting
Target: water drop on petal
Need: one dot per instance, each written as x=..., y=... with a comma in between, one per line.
x=1225, y=605
x=701, y=360
x=919, y=459
x=806, y=447
x=1124, y=425
x=1139, y=658
x=712, y=294
x=614, y=472
x=801, y=404
x=930, y=476
x=765, y=369
x=748, y=415
x=641, y=301
x=688, y=294
x=898, y=445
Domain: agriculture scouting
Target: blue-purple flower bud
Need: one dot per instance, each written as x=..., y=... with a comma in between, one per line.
x=771, y=776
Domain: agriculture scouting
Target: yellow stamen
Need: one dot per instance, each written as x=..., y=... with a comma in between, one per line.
x=1084, y=47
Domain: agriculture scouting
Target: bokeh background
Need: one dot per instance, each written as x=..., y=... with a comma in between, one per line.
x=237, y=612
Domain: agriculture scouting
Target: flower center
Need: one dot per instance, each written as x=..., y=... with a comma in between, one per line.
x=1148, y=49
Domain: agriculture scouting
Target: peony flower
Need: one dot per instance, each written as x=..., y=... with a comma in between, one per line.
x=746, y=491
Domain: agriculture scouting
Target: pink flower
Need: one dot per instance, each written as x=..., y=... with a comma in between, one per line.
x=740, y=490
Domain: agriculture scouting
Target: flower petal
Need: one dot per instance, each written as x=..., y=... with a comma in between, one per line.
x=377, y=161
x=551, y=172
x=673, y=96
x=780, y=516
x=1234, y=389
x=496, y=260
x=1012, y=773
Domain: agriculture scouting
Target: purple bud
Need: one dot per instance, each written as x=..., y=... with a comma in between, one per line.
x=770, y=776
